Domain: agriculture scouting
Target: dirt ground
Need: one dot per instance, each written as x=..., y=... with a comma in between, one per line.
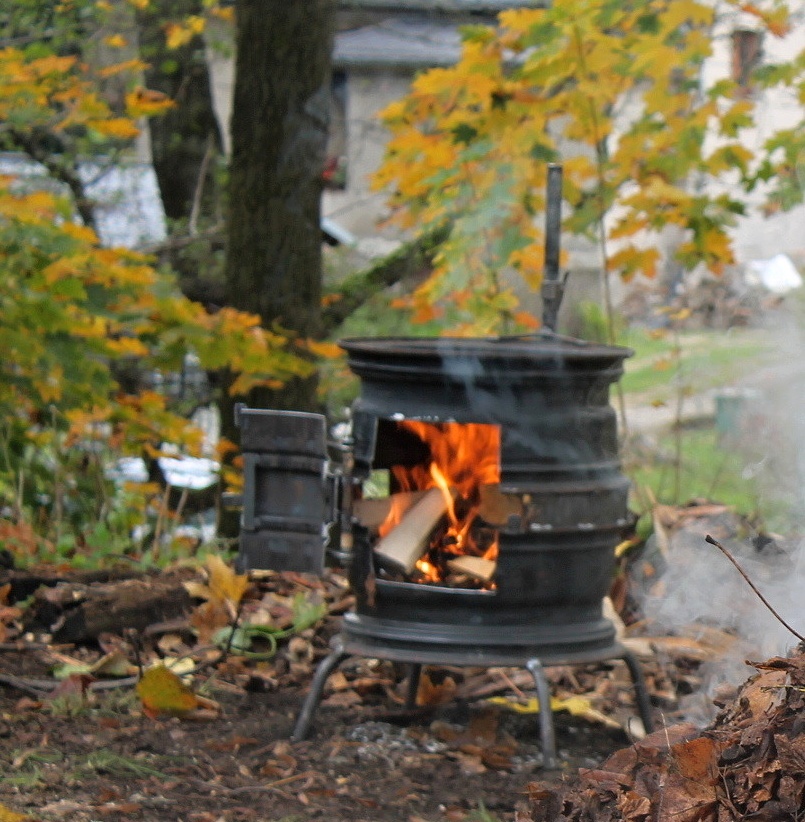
x=367, y=760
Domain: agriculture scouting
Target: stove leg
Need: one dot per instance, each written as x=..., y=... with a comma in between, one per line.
x=546, y=729
x=641, y=692
x=412, y=686
x=326, y=667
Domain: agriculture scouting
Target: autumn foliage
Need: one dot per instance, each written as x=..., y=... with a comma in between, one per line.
x=612, y=90
x=77, y=317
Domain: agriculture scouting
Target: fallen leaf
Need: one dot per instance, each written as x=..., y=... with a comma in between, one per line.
x=223, y=584
x=208, y=618
x=343, y=699
x=430, y=694
x=74, y=687
x=111, y=808
x=470, y=765
x=234, y=743
x=498, y=757
x=575, y=705
x=163, y=693
x=7, y=815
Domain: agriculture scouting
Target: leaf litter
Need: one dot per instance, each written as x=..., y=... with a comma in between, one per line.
x=471, y=742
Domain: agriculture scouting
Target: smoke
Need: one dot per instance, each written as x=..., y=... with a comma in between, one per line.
x=701, y=590
x=699, y=585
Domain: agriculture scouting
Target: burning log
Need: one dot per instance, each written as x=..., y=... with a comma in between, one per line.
x=372, y=513
x=476, y=567
x=407, y=542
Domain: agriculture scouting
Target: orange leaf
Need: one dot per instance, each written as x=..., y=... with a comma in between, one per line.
x=429, y=693
x=145, y=102
x=696, y=759
x=528, y=320
x=326, y=350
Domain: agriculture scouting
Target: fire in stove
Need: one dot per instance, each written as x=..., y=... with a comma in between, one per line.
x=434, y=527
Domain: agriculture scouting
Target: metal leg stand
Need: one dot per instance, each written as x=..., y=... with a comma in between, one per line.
x=641, y=692
x=326, y=667
x=546, y=729
x=412, y=686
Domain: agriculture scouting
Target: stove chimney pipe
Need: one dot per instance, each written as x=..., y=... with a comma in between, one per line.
x=552, y=285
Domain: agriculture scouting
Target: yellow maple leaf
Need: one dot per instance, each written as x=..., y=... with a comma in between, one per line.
x=163, y=693
x=178, y=35
x=132, y=65
x=80, y=232
x=225, y=13
x=575, y=705
x=127, y=346
x=119, y=128
x=223, y=584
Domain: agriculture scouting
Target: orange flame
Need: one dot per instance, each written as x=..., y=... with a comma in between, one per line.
x=463, y=457
x=466, y=454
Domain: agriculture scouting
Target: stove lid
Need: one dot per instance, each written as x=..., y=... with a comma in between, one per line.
x=543, y=351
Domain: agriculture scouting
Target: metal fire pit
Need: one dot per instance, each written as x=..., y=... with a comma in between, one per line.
x=560, y=476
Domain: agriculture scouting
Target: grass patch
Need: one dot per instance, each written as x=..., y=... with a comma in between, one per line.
x=690, y=361
x=109, y=762
x=700, y=464
x=25, y=769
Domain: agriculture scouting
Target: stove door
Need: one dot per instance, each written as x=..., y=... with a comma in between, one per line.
x=284, y=497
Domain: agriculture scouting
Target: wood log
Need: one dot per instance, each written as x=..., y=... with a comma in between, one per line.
x=372, y=513
x=475, y=567
x=25, y=583
x=407, y=542
x=74, y=612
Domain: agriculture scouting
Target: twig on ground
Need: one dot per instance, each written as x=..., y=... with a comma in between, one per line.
x=751, y=584
x=36, y=687
x=24, y=646
x=41, y=687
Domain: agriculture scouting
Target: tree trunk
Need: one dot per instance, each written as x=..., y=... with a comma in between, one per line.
x=279, y=135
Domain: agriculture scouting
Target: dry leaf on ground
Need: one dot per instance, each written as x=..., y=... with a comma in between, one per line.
x=163, y=693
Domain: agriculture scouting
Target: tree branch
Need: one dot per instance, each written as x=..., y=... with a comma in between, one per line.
x=751, y=584
x=60, y=171
x=358, y=288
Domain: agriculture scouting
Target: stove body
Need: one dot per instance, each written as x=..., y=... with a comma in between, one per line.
x=560, y=482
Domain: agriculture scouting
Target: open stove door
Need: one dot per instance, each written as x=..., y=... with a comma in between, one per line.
x=285, y=523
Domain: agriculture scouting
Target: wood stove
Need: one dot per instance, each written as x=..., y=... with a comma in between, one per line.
x=544, y=522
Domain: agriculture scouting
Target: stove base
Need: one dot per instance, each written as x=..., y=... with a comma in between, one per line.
x=360, y=637
x=435, y=641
